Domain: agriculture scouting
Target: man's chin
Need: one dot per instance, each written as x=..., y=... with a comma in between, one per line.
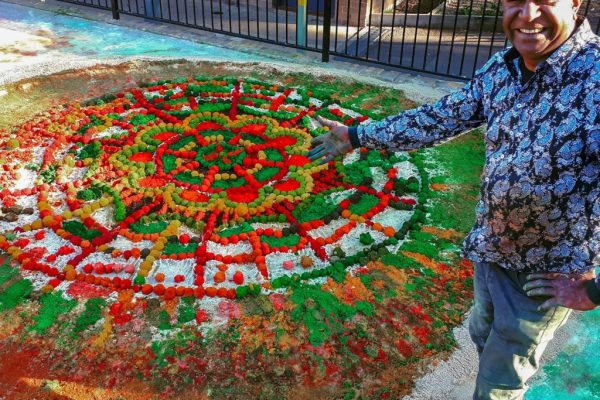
x=531, y=51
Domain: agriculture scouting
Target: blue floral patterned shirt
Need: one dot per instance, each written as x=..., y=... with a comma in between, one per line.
x=540, y=193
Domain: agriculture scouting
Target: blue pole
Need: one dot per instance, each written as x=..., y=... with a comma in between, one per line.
x=301, y=23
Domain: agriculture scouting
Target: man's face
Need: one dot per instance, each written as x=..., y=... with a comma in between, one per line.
x=538, y=27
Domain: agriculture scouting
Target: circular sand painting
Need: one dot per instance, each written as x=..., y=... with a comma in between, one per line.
x=197, y=188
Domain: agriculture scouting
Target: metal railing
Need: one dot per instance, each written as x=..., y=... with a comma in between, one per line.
x=442, y=37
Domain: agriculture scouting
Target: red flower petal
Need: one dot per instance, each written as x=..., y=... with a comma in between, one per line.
x=164, y=136
x=208, y=125
x=254, y=129
x=191, y=195
x=298, y=161
x=242, y=194
x=142, y=157
x=287, y=186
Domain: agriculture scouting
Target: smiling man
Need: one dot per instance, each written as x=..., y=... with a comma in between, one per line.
x=536, y=238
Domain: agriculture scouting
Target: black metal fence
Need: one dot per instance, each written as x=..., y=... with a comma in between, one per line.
x=442, y=37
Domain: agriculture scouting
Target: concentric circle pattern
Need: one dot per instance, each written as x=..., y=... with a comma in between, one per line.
x=196, y=187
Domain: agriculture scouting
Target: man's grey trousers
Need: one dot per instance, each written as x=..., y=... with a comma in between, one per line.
x=509, y=332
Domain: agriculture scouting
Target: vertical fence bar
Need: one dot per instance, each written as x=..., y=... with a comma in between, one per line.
x=403, y=31
x=380, y=29
x=414, y=49
x=221, y=14
x=168, y=9
x=437, y=56
x=237, y=2
x=369, y=28
x=326, y=30
x=277, y=21
x=494, y=30
x=347, y=27
x=194, y=12
x=317, y=26
x=229, y=14
x=305, y=30
x=267, y=15
x=483, y=16
x=257, y=20
x=287, y=23
x=248, y=15
x=358, y=28
x=115, y=9
x=453, y=37
x=337, y=14
x=462, y=59
x=427, y=39
x=392, y=34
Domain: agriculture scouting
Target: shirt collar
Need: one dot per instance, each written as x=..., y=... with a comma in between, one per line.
x=561, y=56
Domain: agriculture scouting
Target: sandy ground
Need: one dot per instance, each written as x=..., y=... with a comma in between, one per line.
x=449, y=380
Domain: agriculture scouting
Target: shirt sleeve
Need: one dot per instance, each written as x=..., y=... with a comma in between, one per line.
x=428, y=124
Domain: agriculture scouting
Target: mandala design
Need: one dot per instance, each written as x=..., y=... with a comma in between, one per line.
x=196, y=187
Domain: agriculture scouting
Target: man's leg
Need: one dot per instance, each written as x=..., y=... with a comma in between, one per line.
x=518, y=337
x=482, y=314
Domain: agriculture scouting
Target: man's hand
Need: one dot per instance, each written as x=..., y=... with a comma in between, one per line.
x=567, y=290
x=331, y=144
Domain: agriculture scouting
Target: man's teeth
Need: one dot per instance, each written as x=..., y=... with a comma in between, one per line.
x=531, y=31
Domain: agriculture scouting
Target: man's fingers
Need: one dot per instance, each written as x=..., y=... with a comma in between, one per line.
x=543, y=291
x=327, y=159
x=317, y=153
x=541, y=275
x=317, y=140
x=538, y=283
x=549, y=304
x=327, y=122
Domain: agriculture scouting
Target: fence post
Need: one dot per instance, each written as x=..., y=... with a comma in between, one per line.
x=114, y=5
x=326, y=30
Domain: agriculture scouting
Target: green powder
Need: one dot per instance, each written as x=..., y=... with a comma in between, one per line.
x=236, y=230
x=164, y=320
x=53, y=305
x=91, y=314
x=89, y=194
x=463, y=160
x=266, y=173
x=169, y=162
x=153, y=227
x=15, y=294
x=366, y=203
x=186, y=310
x=289, y=240
x=317, y=209
x=322, y=313
x=6, y=272
x=177, y=248
x=78, y=229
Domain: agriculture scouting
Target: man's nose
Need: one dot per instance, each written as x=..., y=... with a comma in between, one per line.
x=529, y=10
